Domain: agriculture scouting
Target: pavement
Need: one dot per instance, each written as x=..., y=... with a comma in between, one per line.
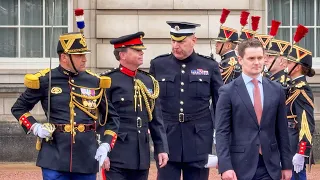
x=26, y=171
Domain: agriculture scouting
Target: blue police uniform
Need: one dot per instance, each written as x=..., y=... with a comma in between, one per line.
x=77, y=102
x=134, y=96
x=186, y=87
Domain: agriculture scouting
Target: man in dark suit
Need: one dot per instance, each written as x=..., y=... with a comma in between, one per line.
x=251, y=125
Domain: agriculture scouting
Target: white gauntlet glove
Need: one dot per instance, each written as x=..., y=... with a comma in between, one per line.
x=298, y=162
x=40, y=131
x=102, y=153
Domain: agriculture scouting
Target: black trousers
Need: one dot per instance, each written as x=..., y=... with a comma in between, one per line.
x=172, y=171
x=262, y=172
x=116, y=173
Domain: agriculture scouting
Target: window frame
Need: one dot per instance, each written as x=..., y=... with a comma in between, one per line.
x=35, y=62
x=316, y=60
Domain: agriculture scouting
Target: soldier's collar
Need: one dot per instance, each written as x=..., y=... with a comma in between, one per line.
x=298, y=79
x=127, y=71
x=66, y=72
x=229, y=54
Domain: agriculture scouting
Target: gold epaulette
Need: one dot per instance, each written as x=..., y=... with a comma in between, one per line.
x=105, y=81
x=300, y=84
x=32, y=80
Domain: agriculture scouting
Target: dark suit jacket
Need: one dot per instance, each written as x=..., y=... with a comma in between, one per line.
x=239, y=134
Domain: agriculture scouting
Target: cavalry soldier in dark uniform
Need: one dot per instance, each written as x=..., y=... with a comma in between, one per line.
x=276, y=61
x=300, y=107
x=77, y=96
x=134, y=94
x=187, y=83
x=265, y=40
x=226, y=43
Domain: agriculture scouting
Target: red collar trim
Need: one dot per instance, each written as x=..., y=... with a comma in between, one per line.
x=128, y=72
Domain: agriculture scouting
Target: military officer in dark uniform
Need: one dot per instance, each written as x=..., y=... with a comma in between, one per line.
x=276, y=61
x=187, y=81
x=300, y=108
x=77, y=100
x=134, y=94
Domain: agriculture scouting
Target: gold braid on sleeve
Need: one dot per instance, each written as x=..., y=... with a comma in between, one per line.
x=149, y=99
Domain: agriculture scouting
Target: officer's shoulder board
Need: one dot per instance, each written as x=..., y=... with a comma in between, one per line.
x=144, y=72
x=207, y=57
x=162, y=55
x=105, y=81
x=110, y=71
x=32, y=81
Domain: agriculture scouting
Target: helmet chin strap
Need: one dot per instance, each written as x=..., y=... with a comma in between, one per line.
x=292, y=69
x=75, y=69
x=274, y=60
x=221, y=49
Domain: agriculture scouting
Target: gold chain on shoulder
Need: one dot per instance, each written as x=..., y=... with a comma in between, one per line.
x=141, y=91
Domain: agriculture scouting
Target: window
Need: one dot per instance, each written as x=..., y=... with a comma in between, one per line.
x=25, y=27
x=293, y=12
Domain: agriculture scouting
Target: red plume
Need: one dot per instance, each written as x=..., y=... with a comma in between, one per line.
x=78, y=12
x=274, y=28
x=244, y=18
x=300, y=33
x=255, y=22
x=224, y=15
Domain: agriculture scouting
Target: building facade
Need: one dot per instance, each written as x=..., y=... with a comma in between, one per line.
x=26, y=28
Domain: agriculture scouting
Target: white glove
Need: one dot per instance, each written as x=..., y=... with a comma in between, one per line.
x=39, y=130
x=212, y=161
x=102, y=153
x=214, y=136
x=298, y=162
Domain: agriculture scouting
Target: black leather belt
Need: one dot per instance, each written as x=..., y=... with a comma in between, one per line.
x=79, y=127
x=183, y=117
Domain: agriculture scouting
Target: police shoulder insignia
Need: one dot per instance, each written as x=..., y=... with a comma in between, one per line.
x=163, y=55
x=106, y=73
x=300, y=84
x=32, y=80
x=208, y=57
